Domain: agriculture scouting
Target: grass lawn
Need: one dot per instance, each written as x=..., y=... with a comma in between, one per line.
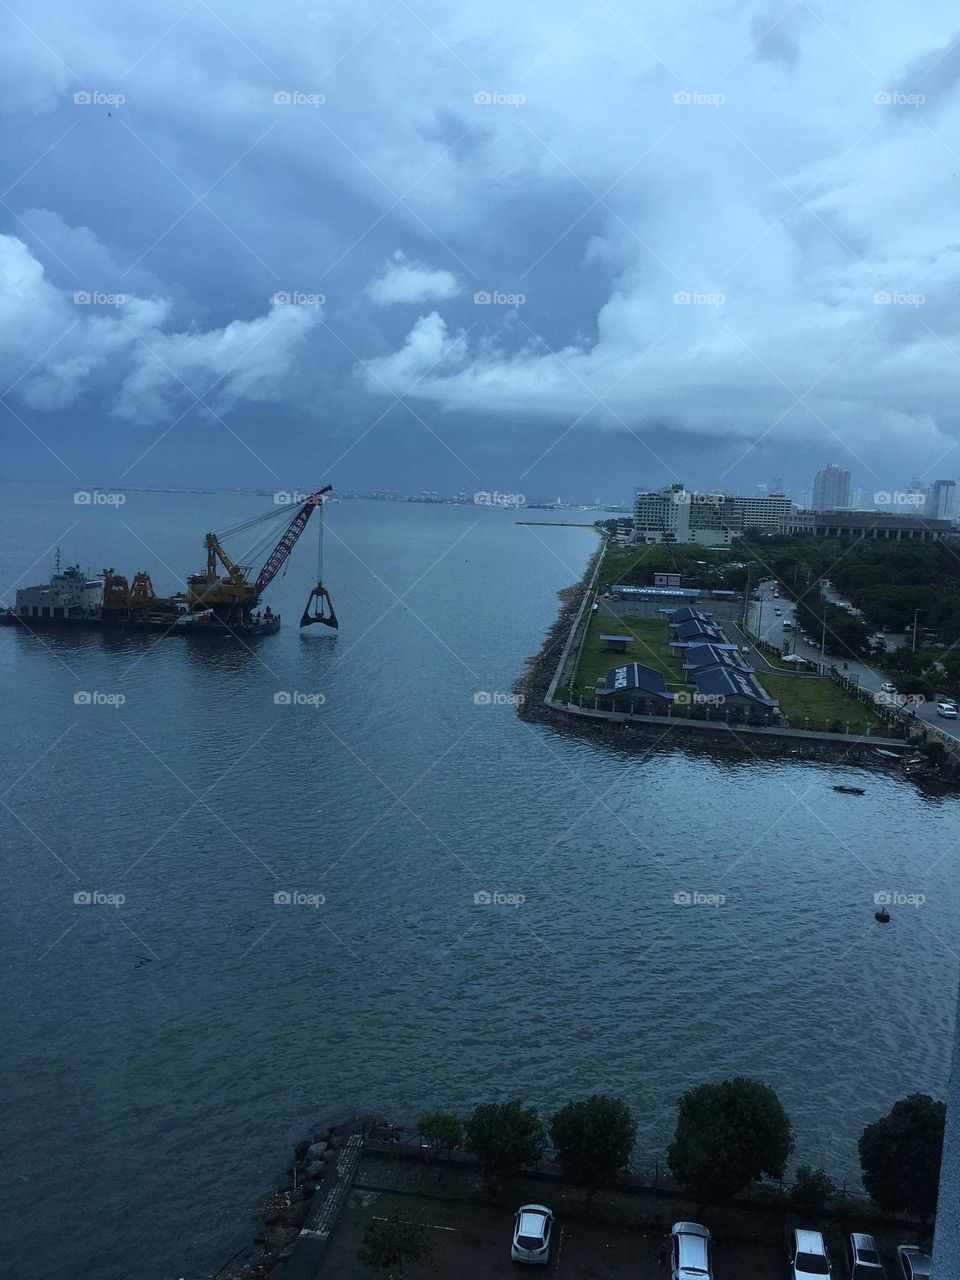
x=820, y=700
x=648, y=646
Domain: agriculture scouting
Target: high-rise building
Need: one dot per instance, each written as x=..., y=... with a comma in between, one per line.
x=678, y=514
x=831, y=488
x=942, y=500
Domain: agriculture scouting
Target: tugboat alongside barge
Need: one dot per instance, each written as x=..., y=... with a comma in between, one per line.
x=213, y=604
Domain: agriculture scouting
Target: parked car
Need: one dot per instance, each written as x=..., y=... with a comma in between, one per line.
x=787, y=624
x=807, y=1255
x=914, y=1263
x=947, y=710
x=690, y=1252
x=531, y=1234
x=863, y=1258
x=888, y=687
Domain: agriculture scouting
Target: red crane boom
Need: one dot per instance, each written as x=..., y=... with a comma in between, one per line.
x=286, y=544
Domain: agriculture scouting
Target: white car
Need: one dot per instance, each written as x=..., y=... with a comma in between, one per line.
x=914, y=1263
x=807, y=1255
x=888, y=687
x=531, y=1235
x=690, y=1252
x=947, y=710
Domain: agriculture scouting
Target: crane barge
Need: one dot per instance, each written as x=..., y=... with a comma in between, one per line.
x=223, y=599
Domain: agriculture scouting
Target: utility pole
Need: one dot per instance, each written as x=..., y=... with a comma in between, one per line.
x=914, y=647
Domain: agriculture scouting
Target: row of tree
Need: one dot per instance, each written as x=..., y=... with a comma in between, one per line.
x=728, y=1137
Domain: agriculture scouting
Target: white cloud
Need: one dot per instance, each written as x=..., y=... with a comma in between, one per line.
x=404, y=281
x=56, y=346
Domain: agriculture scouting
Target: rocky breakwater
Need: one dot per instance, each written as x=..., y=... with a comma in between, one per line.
x=296, y=1219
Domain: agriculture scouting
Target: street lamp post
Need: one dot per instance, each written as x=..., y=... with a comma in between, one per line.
x=913, y=647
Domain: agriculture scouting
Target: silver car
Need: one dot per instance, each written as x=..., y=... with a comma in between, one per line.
x=915, y=1263
x=863, y=1258
x=690, y=1252
x=531, y=1235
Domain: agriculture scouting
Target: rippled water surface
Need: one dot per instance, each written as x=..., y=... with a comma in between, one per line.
x=151, y=1102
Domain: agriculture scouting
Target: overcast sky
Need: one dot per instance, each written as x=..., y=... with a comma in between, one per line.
x=567, y=247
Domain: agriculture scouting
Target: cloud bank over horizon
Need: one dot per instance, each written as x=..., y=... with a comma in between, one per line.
x=724, y=241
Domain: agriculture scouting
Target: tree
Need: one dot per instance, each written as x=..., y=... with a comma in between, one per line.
x=442, y=1129
x=811, y=1190
x=728, y=1136
x=593, y=1139
x=503, y=1136
x=391, y=1243
x=900, y=1156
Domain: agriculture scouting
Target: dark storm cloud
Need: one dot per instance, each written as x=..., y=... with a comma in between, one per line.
x=552, y=234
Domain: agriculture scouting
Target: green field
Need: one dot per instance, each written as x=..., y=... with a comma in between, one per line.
x=819, y=700
x=649, y=646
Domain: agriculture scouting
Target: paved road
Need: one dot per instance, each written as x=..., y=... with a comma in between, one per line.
x=871, y=679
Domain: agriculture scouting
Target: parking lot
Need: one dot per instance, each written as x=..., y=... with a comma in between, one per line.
x=472, y=1242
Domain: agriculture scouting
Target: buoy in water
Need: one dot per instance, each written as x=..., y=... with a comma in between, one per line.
x=882, y=916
